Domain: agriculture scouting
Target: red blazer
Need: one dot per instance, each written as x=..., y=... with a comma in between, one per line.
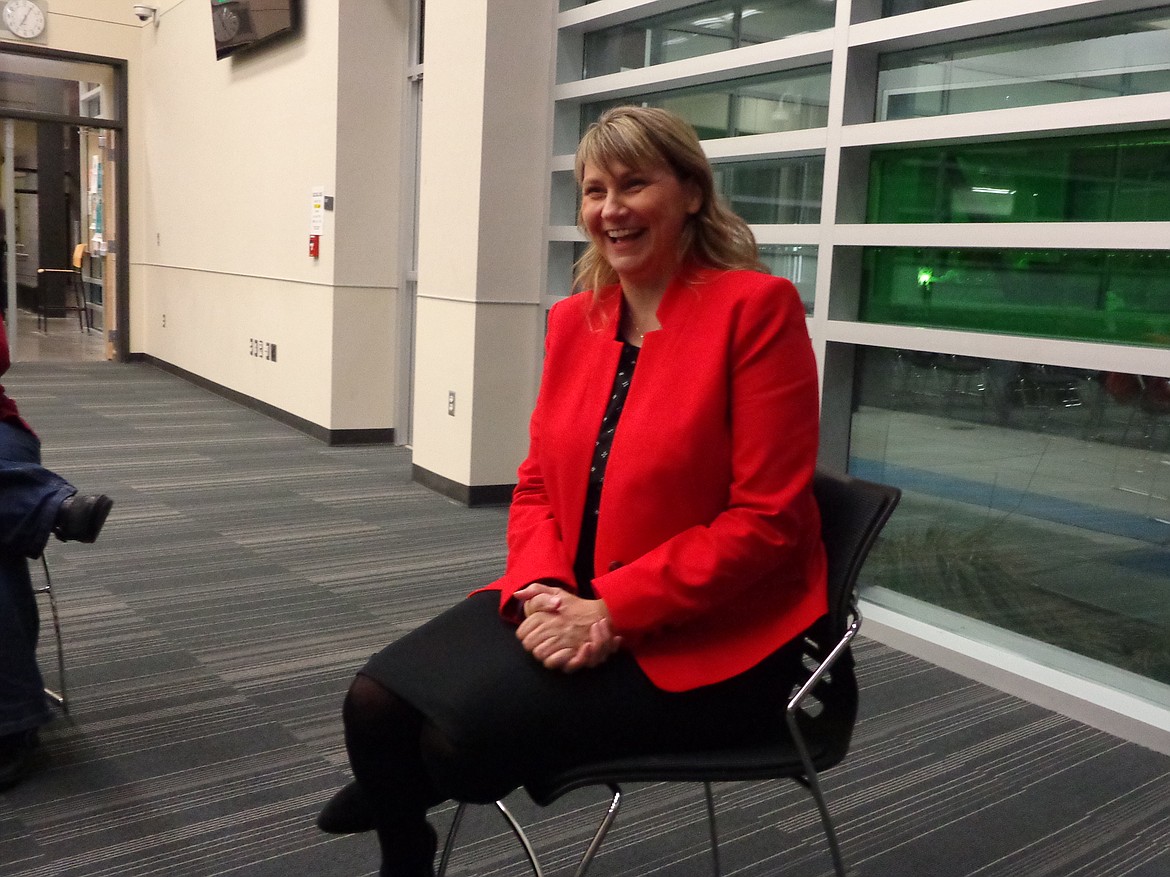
x=708, y=551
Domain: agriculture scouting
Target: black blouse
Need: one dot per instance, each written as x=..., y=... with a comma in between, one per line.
x=583, y=565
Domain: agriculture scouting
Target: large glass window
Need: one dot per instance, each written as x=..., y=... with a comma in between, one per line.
x=766, y=104
x=1104, y=295
x=701, y=30
x=1036, y=498
x=1100, y=57
x=1121, y=177
x=777, y=191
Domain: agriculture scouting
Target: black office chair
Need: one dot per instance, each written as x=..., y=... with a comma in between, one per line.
x=820, y=716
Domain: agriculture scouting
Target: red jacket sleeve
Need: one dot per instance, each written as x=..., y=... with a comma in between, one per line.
x=536, y=547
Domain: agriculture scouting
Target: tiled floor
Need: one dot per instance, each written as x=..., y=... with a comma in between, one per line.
x=63, y=341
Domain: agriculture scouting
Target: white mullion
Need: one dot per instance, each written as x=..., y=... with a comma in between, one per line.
x=567, y=233
x=1107, y=114
x=748, y=147
x=964, y=21
x=802, y=234
x=1088, y=355
x=1008, y=235
x=610, y=13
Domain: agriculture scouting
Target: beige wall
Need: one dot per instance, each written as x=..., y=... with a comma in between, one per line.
x=92, y=27
x=220, y=208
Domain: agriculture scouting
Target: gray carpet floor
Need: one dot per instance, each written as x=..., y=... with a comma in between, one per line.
x=247, y=570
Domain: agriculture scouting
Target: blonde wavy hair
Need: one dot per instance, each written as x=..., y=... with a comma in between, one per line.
x=644, y=137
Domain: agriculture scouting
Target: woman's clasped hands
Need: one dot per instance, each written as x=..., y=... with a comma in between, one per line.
x=564, y=631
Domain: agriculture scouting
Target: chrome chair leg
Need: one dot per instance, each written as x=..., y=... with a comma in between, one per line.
x=595, y=844
x=58, y=697
x=811, y=781
x=512, y=823
x=522, y=837
x=711, y=826
x=450, y=842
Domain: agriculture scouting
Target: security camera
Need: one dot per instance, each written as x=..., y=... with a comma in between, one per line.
x=144, y=12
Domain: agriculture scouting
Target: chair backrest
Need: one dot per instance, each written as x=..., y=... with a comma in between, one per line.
x=853, y=512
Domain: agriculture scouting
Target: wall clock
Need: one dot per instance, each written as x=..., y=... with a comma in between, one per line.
x=24, y=18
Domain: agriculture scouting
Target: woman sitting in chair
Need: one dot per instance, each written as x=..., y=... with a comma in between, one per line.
x=663, y=543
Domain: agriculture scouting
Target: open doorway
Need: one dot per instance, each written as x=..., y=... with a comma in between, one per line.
x=62, y=284
x=59, y=203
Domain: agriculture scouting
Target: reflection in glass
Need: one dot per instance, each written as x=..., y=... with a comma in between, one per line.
x=1116, y=177
x=798, y=264
x=701, y=30
x=1037, y=498
x=1100, y=57
x=778, y=191
x=899, y=7
x=30, y=83
x=774, y=102
x=1120, y=296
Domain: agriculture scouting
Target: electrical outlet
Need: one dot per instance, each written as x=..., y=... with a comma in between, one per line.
x=451, y=403
x=164, y=321
x=262, y=349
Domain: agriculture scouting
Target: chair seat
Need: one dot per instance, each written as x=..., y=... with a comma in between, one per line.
x=734, y=764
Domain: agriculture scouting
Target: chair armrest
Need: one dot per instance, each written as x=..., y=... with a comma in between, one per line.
x=797, y=699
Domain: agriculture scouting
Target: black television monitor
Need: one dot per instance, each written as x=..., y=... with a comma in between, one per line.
x=243, y=24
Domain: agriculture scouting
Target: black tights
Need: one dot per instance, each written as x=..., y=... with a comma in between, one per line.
x=404, y=766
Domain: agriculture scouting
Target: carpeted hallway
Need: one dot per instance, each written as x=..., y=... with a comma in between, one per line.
x=247, y=570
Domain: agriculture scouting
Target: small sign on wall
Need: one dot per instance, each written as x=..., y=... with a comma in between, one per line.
x=316, y=221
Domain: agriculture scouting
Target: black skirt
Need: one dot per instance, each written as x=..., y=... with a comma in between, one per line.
x=468, y=674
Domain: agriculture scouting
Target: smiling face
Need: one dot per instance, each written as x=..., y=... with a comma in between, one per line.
x=635, y=219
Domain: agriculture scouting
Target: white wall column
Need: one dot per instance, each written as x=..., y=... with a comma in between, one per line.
x=483, y=206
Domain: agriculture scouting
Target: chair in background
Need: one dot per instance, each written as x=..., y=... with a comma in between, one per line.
x=820, y=716
x=60, y=696
x=73, y=286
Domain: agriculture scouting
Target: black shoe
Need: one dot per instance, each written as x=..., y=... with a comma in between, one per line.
x=347, y=812
x=80, y=518
x=16, y=752
x=416, y=855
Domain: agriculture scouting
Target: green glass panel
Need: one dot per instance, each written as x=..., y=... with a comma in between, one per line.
x=774, y=102
x=1120, y=296
x=1118, y=177
x=701, y=29
x=1035, y=498
x=1093, y=58
x=780, y=191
